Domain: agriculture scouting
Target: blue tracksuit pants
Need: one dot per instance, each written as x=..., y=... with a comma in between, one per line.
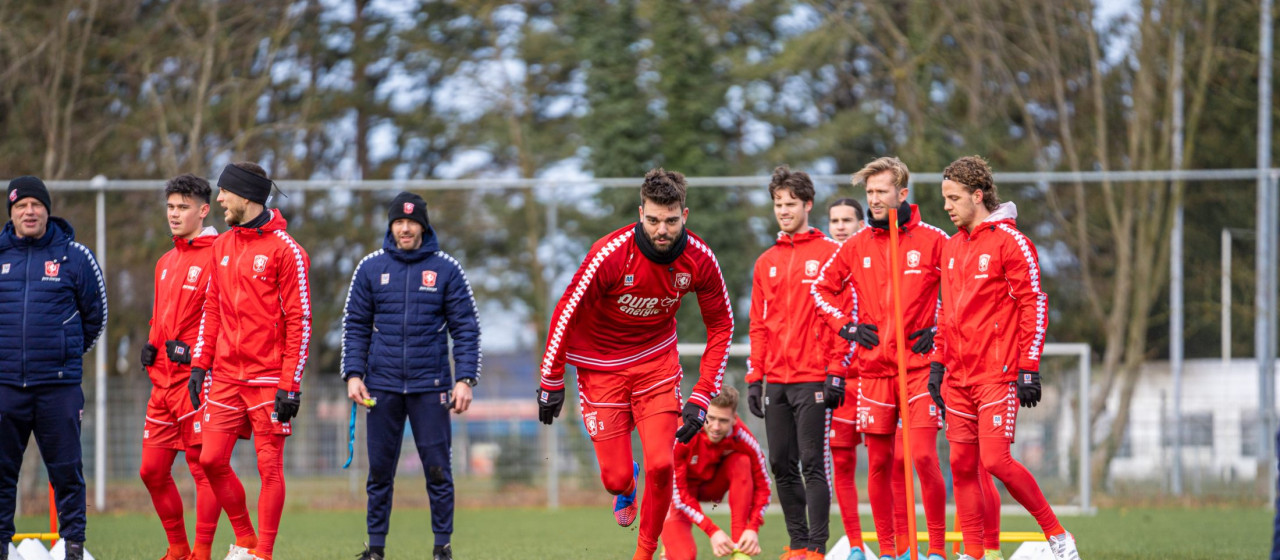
x=428, y=415
x=53, y=413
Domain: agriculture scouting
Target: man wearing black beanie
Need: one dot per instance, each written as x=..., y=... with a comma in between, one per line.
x=415, y=292
x=53, y=306
x=254, y=336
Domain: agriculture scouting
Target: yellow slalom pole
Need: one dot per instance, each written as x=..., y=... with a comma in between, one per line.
x=895, y=273
x=51, y=537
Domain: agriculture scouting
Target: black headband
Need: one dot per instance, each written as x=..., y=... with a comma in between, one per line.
x=245, y=183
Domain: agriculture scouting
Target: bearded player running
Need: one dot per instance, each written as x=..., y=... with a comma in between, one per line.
x=617, y=323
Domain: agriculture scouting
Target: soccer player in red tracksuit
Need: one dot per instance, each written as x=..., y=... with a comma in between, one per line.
x=800, y=359
x=254, y=336
x=182, y=275
x=723, y=458
x=617, y=323
x=845, y=218
x=992, y=326
x=863, y=265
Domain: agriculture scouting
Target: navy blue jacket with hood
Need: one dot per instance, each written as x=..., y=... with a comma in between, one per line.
x=399, y=307
x=53, y=305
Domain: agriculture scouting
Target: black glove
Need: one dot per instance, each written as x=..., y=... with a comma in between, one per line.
x=549, y=405
x=148, y=355
x=936, y=371
x=833, y=391
x=864, y=334
x=755, y=398
x=178, y=351
x=287, y=403
x=924, y=340
x=1028, y=387
x=694, y=417
x=195, y=386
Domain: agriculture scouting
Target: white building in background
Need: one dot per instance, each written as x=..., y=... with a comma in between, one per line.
x=1220, y=423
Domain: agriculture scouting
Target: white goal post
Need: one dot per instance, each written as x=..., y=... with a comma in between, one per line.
x=1080, y=426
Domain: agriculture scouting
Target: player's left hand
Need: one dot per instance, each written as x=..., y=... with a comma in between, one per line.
x=461, y=397
x=721, y=545
x=833, y=391
x=924, y=340
x=287, y=403
x=694, y=417
x=749, y=543
x=178, y=351
x=1028, y=387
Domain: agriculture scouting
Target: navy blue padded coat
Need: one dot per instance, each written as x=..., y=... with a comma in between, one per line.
x=401, y=309
x=53, y=305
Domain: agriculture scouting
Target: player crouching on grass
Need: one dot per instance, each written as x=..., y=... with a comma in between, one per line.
x=182, y=276
x=723, y=458
x=395, y=360
x=991, y=329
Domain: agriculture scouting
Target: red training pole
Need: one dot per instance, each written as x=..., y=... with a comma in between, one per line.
x=53, y=511
x=895, y=275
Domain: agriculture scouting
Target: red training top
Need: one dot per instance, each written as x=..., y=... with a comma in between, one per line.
x=696, y=463
x=182, y=277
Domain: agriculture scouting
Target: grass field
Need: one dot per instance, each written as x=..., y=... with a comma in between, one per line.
x=590, y=534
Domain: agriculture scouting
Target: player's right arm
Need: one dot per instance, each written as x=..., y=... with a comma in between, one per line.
x=833, y=280
x=357, y=323
x=756, y=332
x=583, y=292
x=682, y=497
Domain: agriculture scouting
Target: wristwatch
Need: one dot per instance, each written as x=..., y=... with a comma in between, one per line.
x=470, y=381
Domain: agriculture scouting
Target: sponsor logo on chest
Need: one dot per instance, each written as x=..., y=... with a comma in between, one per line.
x=385, y=279
x=639, y=306
x=4, y=269
x=629, y=280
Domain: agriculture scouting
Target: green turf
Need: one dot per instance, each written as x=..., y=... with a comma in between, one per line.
x=582, y=534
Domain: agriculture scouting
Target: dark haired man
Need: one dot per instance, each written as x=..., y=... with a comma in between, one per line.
x=172, y=425
x=617, y=323
x=799, y=359
x=53, y=306
x=254, y=335
x=395, y=353
x=991, y=329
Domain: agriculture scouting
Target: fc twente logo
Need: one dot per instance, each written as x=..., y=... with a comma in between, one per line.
x=913, y=258
x=51, y=268
x=259, y=263
x=193, y=273
x=408, y=208
x=810, y=268
x=683, y=280
x=428, y=276
x=983, y=261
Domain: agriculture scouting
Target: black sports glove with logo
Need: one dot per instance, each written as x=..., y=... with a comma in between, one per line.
x=195, y=386
x=287, y=404
x=179, y=352
x=864, y=334
x=1028, y=387
x=936, y=371
x=833, y=391
x=755, y=398
x=694, y=417
x=549, y=405
x=149, y=353
x=924, y=340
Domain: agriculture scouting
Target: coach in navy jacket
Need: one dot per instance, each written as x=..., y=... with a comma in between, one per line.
x=404, y=304
x=53, y=305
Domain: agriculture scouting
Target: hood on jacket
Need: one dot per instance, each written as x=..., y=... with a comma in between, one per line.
x=811, y=234
x=205, y=239
x=1005, y=211
x=429, y=245
x=58, y=232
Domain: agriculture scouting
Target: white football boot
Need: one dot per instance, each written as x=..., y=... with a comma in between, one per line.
x=1064, y=547
x=238, y=553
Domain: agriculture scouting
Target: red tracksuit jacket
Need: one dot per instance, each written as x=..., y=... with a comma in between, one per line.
x=696, y=463
x=620, y=310
x=994, y=312
x=182, y=276
x=863, y=262
x=256, y=327
x=789, y=343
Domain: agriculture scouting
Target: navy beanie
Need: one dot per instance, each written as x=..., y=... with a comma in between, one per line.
x=410, y=206
x=28, y=186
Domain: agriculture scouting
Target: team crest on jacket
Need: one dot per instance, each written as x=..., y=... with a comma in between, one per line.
x=51, y=268
x=913, y=258
x=259, y=263
x=983, y=261
x=810, y=268
x=683, y=280
x=428, y=277
x=193, y=273
x=408, y=208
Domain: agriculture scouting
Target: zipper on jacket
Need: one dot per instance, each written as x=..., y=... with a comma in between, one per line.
x=786, y=335
x=26, y=292
x=404, y=335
